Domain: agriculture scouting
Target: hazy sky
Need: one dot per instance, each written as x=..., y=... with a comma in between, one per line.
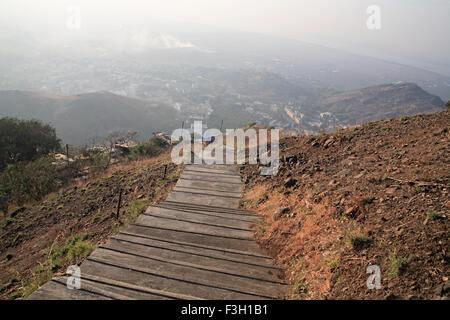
x=415, y=31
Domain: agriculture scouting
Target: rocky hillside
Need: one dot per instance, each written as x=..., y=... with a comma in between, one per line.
x=366, y=105
x=376, y=194
x=381, y=102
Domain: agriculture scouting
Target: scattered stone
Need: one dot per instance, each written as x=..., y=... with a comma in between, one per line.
x=351, y=211
x=333, y=183
x=359, y=175
x=328, y=142
x=442, y=289
x=280, y=212
x=289, y=182
x=391, y=190
x=17, y=211
x=390, y=296
x=440, y=131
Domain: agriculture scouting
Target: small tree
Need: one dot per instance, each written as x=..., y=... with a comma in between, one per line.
x=448, y=104
x=25, y=140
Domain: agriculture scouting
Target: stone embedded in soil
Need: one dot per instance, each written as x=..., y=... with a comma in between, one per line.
x=442, y=289
x=280, y=212
x=391, y=190
x=328, y=142
x=351, y=211
x=289, y=182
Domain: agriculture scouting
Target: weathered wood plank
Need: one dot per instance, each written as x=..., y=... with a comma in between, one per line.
x=252, y=257
x=173, y=270
x=205, y=208
x=57, y=290
x=201, y=260
x=202, y=217
x=196, y=238
x=211, y=185
x=191, y=226
x=136, y=276
x=208, y=200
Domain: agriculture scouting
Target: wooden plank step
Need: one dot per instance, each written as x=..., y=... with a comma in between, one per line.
x=194, y=260
x=211, y=172
x=251, y=258
x=57, y=289
x=208, y=213
x=134, y=276
x=214, y=222
x=201, y=192
x=123, y=290
x=211, y=185
x=206, y=208
x=189, y=226
x=200, y=199
x=216, y=177
x=226, y=212
x=162, y=269
x=201, y=217
x=211, y=177
x=230, y=194
x=198, y=179
x=213, y=167
x=195, y=238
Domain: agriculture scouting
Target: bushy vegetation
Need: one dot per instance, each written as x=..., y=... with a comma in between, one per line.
x=25, y=140
x=98, y=160
x=29, y=169
x=153, y=147
x=27, y=181
x=398, y=265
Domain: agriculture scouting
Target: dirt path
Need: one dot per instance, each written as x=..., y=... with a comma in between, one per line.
x=195, y=245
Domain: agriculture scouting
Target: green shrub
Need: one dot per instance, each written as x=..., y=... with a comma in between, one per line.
x=359, y=240
x=153, y=147
x=27, y=181
x=398, y=266
x=434, y=215
x=25, y=140
x=98, y=160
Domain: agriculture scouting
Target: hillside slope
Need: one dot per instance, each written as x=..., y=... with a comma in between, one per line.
x=41, y=239
x=376, y=194
x=381, y=102
x=369, y=104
